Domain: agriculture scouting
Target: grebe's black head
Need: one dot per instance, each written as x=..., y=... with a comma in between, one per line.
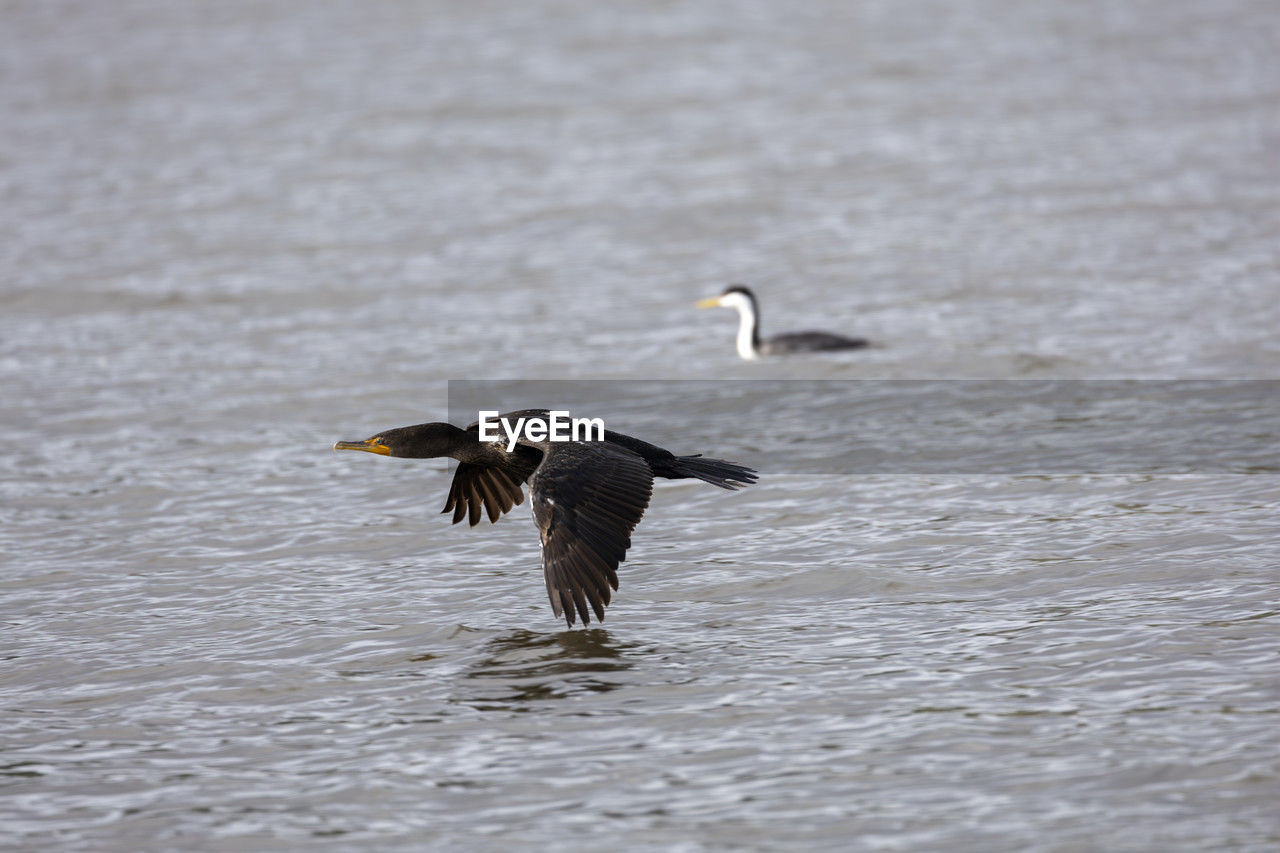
x=420, y=441
x=734, y=296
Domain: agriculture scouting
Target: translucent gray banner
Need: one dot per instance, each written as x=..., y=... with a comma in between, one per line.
x=924, y=426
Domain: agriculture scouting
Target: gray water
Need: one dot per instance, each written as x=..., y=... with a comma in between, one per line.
x=236, y=232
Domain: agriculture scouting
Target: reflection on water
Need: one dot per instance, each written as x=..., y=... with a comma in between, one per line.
x=527, y=666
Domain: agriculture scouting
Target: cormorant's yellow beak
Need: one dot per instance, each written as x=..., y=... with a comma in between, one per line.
x=713, y=302
x=370, y=445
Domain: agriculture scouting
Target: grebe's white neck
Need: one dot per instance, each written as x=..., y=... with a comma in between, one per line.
x=748, y=323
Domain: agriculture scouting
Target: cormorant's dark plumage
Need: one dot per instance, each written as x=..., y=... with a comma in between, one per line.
x=587, y=496
x=751, y=346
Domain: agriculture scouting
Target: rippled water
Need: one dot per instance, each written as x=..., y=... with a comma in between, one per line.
x=238, y=232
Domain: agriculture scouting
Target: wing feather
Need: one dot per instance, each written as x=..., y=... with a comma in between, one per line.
x=587, y=498
x=473, y=501
x=495, y=502
x=479, y=489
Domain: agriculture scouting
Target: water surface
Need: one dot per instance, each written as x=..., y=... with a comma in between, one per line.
x=238, y=232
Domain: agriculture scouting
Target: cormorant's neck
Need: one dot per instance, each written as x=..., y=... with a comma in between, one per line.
x=451, y=441
x=465, y=446
x=462, y=444
x=748, y=328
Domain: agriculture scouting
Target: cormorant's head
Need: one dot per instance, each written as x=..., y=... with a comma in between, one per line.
x=734, y=296
x=420, y=441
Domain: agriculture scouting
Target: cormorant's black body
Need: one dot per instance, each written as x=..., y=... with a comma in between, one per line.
x=587, y=496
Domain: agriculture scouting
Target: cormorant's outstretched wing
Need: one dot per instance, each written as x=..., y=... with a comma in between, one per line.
x=493, y=484
x=496, y=489
x=587, y=498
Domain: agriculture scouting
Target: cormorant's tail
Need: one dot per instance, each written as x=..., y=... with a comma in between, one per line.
x=717, y=472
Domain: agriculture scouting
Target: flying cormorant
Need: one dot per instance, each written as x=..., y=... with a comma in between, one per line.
x=587, y=495
x=750, y=344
